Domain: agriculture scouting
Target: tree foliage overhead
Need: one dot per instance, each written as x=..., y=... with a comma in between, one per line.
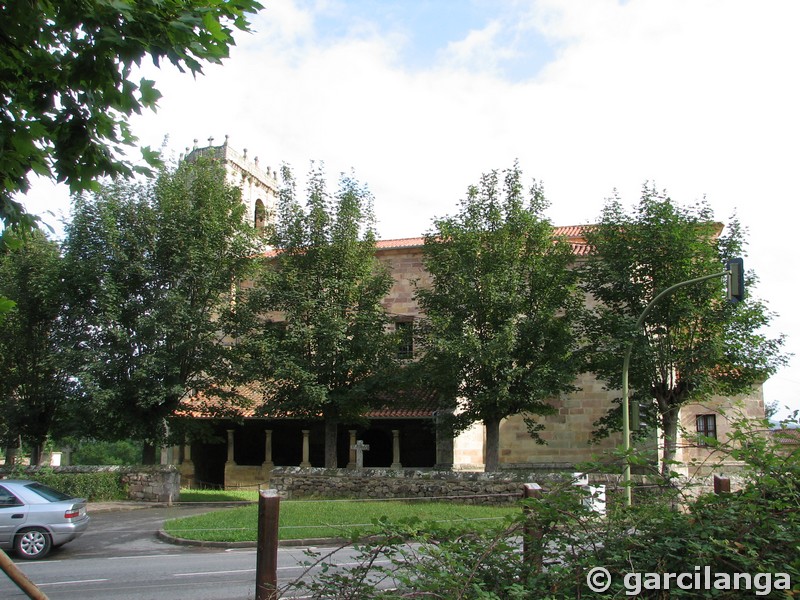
x=150, y=270
x=323, y=343
x=500, y=314
x=693, y=344
x=35, y=381
x=67, y=83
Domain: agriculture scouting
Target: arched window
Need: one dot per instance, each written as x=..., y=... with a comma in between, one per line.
x=260, y=215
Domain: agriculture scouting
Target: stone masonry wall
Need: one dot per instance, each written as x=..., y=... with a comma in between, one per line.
x=156, y=484
x=568, y=432
x=406, y=267
x=502, y=487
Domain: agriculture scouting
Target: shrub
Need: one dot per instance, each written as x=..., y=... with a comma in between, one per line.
x=94, y=487
x=753, y=531
x=91, y=452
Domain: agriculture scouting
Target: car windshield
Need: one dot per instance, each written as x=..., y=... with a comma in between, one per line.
x=47, y=493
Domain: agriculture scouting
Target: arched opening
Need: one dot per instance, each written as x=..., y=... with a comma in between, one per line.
x=260, y=217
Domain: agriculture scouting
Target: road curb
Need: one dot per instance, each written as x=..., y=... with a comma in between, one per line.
x=171, y=539
x=101, y=507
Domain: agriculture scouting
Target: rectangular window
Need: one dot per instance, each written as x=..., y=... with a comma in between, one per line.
x=276, y=329
x=706, y=427
x=405, y=339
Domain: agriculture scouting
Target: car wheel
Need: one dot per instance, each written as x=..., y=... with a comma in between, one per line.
x=33, y=543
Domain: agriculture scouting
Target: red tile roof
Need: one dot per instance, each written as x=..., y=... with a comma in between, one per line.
x=414, y=242
x=573, y=233
x=253, y=405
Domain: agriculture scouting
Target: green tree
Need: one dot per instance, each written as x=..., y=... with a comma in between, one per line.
x=500, y=314
x=323, y=349
x=67, y=88
x=693, y=344
x=151, y=268
x=35, y=381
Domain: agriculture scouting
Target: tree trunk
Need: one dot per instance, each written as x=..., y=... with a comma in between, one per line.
x=36, y=455
x=11, y=455
x=148, y=454
x=331, y=429
x=669, y=432
x=491, y=459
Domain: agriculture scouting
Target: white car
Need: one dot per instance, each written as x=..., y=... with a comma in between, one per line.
x=35, y=518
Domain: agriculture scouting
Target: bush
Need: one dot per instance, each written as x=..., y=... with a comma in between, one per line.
x=90, y=452
x=94, y=487
x=754, y=531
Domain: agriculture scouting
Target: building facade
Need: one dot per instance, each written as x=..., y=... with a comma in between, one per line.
x=241, y=451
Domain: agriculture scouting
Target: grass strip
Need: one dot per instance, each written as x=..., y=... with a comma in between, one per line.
x=218, y=496
x=303, y=519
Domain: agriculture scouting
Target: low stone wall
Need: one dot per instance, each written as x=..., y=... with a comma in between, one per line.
x=476, y=488
x=158, y=483
x=501, y=487
x=239, y=477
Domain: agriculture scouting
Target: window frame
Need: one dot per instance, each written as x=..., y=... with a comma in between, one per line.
x=706, y=426
x=404, y=329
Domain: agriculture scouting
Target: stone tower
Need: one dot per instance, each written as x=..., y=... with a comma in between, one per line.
x=259, y=187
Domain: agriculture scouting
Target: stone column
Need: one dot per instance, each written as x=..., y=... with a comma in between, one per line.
x=444, y=448
x=230, y=448
x=268, y=464
x=306, y=462
x=187, y=466
x=351, y=463
x=396, y=450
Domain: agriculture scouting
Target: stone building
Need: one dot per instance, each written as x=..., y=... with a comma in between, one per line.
x=403, y=434
x=259, y=187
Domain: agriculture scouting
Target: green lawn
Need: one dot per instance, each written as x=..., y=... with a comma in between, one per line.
x=301, y=519
x=218, y=496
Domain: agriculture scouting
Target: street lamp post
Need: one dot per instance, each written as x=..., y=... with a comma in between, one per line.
x=734, y=272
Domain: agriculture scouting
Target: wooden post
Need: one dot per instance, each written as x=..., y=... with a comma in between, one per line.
x=19, y=578
x=722, y=485
x=269, y=504
x=531, y=534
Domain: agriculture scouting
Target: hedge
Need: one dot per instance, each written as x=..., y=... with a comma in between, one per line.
x=94, y=487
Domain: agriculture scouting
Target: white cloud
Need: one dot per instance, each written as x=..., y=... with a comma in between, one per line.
x=481, y=50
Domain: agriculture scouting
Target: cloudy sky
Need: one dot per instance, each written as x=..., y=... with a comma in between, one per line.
x=420, y=97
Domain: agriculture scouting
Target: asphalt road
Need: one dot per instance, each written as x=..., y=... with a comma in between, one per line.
x=121, y=557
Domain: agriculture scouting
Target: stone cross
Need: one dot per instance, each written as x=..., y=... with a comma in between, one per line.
x=360, y=447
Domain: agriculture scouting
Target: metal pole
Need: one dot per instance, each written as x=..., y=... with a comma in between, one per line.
x=626, y=363
x=269, y=504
